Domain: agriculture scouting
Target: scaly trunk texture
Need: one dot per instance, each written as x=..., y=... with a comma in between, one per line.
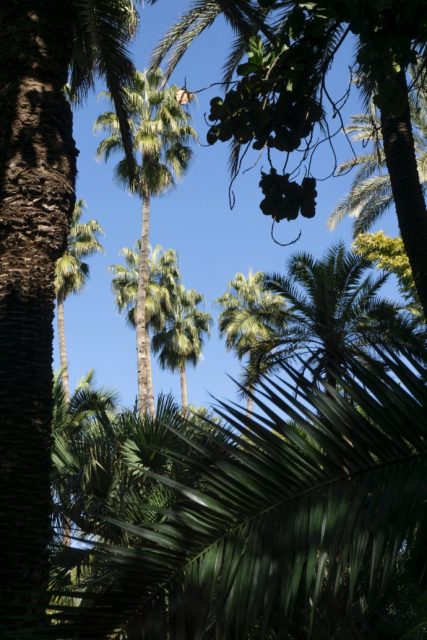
x=37, y=177
x=141, y=333
x=63, y=349
x=184, y=393
x=150, y=389
x=405, y=182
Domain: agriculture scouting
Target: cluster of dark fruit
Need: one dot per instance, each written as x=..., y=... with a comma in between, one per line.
x=284, y=199
x=279, y=121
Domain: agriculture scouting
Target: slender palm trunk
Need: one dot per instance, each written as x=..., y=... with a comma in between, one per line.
x=249, y=404
x=405, y=182
x=37, y=178
x=183, y=380
x=63, y=349
x=150, y=389
x=141, y=333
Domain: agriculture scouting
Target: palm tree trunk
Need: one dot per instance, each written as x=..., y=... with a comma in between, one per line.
x=37, y=178
x=141, y=333
x=150, y=389
x=405, y=182
x=63, y=349
x=249, y=404
x=183, y=380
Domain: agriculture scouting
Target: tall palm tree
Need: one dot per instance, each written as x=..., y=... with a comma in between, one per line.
x=334, y=313
x=371, y=194
x=162, y=134
x=180, y=341
x=250, y=316
x=71, y=274
x=41, y=49
x=162, y=279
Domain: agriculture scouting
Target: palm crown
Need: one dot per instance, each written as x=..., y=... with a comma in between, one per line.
x=334, y=312
x=163, y=275
x=161, y=133
x=71, y=272
x=181, y=339
x=249, y=313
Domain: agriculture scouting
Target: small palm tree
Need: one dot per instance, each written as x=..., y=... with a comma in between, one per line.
x=72, y=273
x=250, y=316
x=180, y=340
x=371, y=194
x=163, y=275
x=334, y=313
x=161, y=133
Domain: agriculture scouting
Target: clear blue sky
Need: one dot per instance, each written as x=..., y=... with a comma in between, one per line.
x=213, y=242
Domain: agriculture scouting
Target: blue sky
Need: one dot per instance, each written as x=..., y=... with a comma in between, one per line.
x=213, y=242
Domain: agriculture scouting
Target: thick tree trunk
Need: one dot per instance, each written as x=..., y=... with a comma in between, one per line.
x=405, y=182
x=141, y=333
x=37, y=176
x=150, y=389
x=63, y=349
x=184, y=393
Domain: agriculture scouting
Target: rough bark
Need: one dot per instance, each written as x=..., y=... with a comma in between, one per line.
x=405, y=182
x=63, y=349
x=150, y=388
x=184, y=393
x=37, y=175
x=141, y=333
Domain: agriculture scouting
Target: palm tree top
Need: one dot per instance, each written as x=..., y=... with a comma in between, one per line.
x=71, y=272
x=163, y=276
x=249, y=312
x=181, y=339
x=335, y=311
x=161, y=132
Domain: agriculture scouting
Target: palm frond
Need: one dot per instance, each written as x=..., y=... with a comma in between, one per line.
x=306, y=513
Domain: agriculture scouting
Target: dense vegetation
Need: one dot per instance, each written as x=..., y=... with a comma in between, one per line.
x=302, y=515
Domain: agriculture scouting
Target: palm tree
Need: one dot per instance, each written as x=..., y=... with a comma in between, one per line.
x=41, y=49
x=71, y=273
x=250, y=316
x=180, y=340
x=308, y=519
x=163, y=275
x=334, y=313
x=371, y=194
x=161, y=133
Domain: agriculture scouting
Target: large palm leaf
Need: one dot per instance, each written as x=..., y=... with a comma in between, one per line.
x=245, y=18
x=303, y=516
